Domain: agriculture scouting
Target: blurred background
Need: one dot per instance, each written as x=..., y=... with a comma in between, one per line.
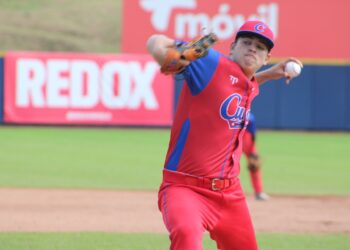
x=40, y=25
x=80, y=39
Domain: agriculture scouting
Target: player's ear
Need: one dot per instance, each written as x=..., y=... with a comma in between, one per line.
x=233, y=45
x=267, y=59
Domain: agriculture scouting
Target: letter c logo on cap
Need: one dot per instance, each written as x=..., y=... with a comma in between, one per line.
x=260, y=27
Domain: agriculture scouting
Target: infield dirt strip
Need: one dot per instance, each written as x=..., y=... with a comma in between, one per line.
x=63, y=210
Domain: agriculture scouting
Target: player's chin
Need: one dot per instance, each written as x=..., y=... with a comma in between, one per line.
x=252, y=66
x=250, y=61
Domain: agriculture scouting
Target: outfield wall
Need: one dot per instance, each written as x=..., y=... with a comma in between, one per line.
x=1, y=90
x=303, y=29
x=319, y=99
x=85, y=89
x=135, y=94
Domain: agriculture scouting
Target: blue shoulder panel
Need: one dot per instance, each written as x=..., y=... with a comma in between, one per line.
x=199, y=73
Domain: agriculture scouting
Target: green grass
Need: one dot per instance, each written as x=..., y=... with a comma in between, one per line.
x=303, y=242
x=54, y=157
x=107, y=241
x=304, y=163
x=81, y=158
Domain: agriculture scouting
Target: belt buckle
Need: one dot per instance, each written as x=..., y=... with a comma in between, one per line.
x=213, y=181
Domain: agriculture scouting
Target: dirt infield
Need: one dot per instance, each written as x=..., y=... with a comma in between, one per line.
x=41, y=210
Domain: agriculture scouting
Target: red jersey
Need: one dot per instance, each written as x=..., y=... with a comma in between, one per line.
x=212, y=112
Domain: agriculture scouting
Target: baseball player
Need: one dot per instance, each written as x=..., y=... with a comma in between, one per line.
x=201, y=189
x=253, y=159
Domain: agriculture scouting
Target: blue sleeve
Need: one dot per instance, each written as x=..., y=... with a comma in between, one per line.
x=251, y=124
x=199, y=73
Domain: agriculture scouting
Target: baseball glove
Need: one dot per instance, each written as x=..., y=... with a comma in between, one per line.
x=175, y=59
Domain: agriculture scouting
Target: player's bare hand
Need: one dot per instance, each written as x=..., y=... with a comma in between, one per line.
x=292, y=68
x=278, y=70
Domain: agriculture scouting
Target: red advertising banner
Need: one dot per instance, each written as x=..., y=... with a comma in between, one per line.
x=62, y=88
x=305, y=29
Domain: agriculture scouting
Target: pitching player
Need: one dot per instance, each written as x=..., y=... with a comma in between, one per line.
x=201, y=189
x=253, y=159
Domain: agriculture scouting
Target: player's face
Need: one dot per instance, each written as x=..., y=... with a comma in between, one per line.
x=250, y=53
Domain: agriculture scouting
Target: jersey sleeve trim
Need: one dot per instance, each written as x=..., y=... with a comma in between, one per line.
x=175, y=156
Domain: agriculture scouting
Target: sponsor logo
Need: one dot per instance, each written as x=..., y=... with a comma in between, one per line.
x=161, y=10
x=233, y=79
x=189, y=22
x=61, y=83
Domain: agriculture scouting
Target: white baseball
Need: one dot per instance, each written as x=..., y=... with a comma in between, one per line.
x=292, y=68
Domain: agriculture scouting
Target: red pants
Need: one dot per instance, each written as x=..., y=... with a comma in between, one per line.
x=188, y=211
